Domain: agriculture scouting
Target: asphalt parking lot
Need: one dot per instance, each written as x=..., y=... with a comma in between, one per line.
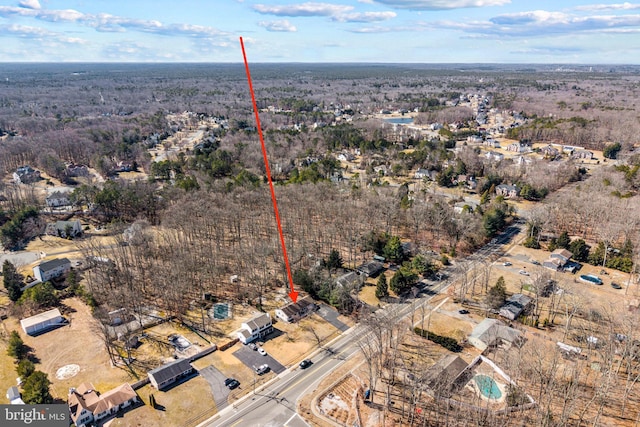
x=253, y=359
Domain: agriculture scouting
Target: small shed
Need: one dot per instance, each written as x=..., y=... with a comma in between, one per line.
x=40, y=322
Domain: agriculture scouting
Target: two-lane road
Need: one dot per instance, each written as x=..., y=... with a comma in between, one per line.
x=275, y=404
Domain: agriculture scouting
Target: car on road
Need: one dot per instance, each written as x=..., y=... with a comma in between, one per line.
x=507, y=264
x=305, y=364
x=231, y=383
x=262, y=351
x=534, y=262
x=262, y=369
x=614, y=285
x=463, y=311
x=523, y=272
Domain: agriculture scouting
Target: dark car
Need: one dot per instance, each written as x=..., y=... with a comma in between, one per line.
x=231, y=383
x=614, y=285
x=305, y=364
x=463, y=311
x=262, y=369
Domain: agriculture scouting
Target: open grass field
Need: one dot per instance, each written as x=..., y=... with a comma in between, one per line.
x=75, y=344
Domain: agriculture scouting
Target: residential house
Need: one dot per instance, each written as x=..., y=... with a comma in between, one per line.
x=371, y=268
x=296, y=310
x=87, y=406
x=64, y=229
x=48, y=270
x=508, y=191
x=474, y=139
x=58, y=199
x=421, y=174
x=442, y=376
x=519, y=147
x=514, y=306
x=493, y=333
x=561, y=254
x=425, y=173
x=13, y=394
x=550, y=152
x=494, y=155
x=42, y=321
x=257, y=327
x=346, y=157
x=77, y=170
x=167, y=374
x=26, y=175
x=582, y=154
x=351, y=280
x=557, y=259
x=491, y=142
x=522, y=160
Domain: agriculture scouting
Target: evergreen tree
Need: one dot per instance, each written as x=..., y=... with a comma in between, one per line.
x=497, y=294
x=382, y=288
x=335, y=260
x=393, y=249
x=36, y=389
x=580, y=250
x=12, y=281
x=16, y=347
x=563, y=240
x=25, y=368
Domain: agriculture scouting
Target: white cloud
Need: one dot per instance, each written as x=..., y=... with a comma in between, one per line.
x=601, y=7
x=440, y=4
x=365, y=17
x=30, y=4
x=278, y=26
x=303, y=9
x=27, y=32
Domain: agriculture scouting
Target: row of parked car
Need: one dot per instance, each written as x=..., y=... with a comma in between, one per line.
x=233, y=383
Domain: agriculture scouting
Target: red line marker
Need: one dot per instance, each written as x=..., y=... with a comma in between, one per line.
x=293, y=294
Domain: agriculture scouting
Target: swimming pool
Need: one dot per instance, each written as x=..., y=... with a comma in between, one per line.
x=488, y=387
x=591, y=278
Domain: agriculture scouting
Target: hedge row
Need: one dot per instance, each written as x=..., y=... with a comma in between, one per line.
x=447, y=342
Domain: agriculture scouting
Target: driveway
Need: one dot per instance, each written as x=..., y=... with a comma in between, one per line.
x=331, y=315
x=216, y=379
x=253, y=359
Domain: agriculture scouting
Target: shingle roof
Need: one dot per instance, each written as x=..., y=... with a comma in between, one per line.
x=489, y=330
x=53, y=264
x=170, y=370
x=259, y=321
x=445, y=371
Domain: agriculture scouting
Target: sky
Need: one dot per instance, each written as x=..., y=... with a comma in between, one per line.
x=391, y=31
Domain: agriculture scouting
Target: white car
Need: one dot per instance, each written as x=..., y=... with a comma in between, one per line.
x=524, y=272
x=261, y=351
x=506, y=264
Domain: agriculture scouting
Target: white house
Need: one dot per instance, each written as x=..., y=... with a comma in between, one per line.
x=296, y=311
x=169, y=373
x=64, y=228
x=40, y=322
x=254, y=328
x=87, y=406
x=51, y=269
x=57, y=199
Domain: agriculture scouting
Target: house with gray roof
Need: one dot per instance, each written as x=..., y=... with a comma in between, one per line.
x=257, y=327
x=165, y=375
x=508, y=191
x=48, y=270
x=514, y=306
x=492, y=333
